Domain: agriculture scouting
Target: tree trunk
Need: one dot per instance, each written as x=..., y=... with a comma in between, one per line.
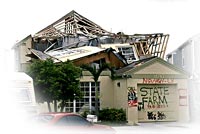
x=62, y=106
x=96, y=100
x=55, y=106
x=49, y=107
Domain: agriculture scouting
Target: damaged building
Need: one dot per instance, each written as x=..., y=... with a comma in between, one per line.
x=138, y=60
x=73, y=31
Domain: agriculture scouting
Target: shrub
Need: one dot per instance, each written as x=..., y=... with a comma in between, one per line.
x=85, y=113
x=112, y=114
x=85, y=110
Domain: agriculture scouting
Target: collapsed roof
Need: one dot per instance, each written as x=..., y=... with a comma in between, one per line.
x=82, y=55
x=151, y=44
x=76, y=53
x=72, y=24
x=65, y=38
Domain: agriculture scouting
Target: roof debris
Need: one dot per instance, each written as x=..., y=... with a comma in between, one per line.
x=72, y=24
x=74, y=36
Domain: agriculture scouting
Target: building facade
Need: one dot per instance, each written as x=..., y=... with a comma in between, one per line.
x=21, y=50
x=187, y=57
x=157, y=91
x=152, y=91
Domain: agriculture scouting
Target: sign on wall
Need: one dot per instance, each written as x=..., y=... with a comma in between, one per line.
x=157, y=102
x=132, y=97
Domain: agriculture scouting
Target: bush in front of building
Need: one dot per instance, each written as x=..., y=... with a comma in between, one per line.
x=85, y=110
x=112, y=115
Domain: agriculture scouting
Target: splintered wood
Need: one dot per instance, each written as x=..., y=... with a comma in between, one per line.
x=151, y=44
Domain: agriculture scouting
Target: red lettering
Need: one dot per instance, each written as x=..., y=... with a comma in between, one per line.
x=145, y=80
x=155, y=81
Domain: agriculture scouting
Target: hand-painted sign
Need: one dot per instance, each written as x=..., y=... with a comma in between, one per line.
x=154, y=97
x=132, y=97
x=158, y=81
x=156, y=115
x=157, y=102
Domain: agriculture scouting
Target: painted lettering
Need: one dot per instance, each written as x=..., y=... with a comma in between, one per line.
x=166, y=91
x=154, y=97
x=162, y=100
x=144, y=100
x=143, y=91
x=156, y=116
x=158, y=81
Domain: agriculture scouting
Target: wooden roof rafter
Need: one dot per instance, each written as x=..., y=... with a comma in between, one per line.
x=151, y=44
x=72, y=23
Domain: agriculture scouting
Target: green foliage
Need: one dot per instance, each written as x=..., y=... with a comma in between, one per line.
x=68, y=80
x=85, y=113
x=85, y=110
x=55, y=81
x=96, y=73
x=114, y=115
x=43, y=74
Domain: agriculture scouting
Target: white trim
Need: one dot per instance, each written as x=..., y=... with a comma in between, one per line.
x=90, y=96
x=74, y=105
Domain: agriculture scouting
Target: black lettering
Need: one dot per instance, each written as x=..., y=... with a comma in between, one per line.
x=155, y=92
x=150, y=89
x=143, y=91
x=166, y=91
x=144, y=100
x=160, y=90
x=163, y=100
x=155, y=100
x=150, y=101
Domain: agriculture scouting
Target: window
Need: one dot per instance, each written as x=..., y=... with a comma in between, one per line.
x=126, y=50
x=88, y=90
x=127, y=53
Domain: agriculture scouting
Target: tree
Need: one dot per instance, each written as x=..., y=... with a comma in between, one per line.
x=55, y=82
x=96, y=73
x=68, y=82
x=42, y=73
